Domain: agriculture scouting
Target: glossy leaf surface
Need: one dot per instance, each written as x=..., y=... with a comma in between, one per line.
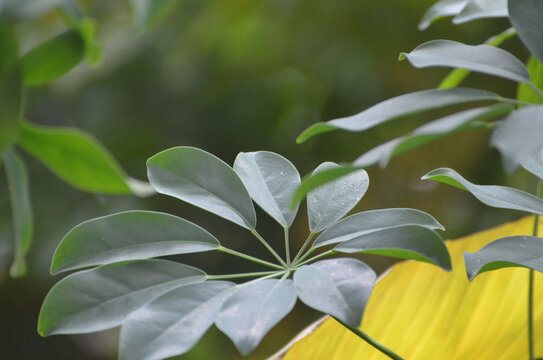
x=271, y=180
x=339, y=287
x=103, y=297
x=253, y=309
x=491, y=195
x=131, y=235
x=525, y=15
x=441, y=9
x=479, y=9
x=203, y=180
x=173, y=323
x=374, y=220
x=403, y=242
x=330, y=202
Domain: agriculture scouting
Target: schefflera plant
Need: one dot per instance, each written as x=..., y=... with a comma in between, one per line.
x=165, y=307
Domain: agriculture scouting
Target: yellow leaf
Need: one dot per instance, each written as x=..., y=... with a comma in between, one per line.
x=422, y=312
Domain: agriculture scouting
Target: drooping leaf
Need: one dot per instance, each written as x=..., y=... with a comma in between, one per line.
x=441, y=9
x=480, y=58
x=525, y=15
x=53, y=58
x=103, y=297
x=422, y=312
x=534, y=162
x=253, y=309
x=432, y=131
x=173, y=323
x=374, y=220
x=271, y=181
x=511, y=251
x=400, y=106
x=148, y=12
x=203, y=180
x=491, y=195
x=339, y=287
x=518, y=136
x=75, y=157
x=403, y=242
x=23, y=221
x=526, y=93
x=130, y=235
x=333, y=200
x=479, y=9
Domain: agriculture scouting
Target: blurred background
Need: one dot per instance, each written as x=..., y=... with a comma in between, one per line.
x=232, y=76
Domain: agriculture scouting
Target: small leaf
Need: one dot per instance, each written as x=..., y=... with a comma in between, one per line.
x=401, y=106
x=173, y=323
x=53, y=58
x=480, y=9
x=103, y=297
x=203, y=180
x=480, y=58
x=271, y=181
x=534, y=163
x=519, y=135
x=333, y=200
x=23, y=222
x=525, y=15
x=130, y=235
x=148, y=12
x=511, y=251
x=339, y=287
x=441, y=9
x=403, y=242
x=253, y=309
x=75, y=157
x=526, y=93
x=374, y=220
x=491, y=195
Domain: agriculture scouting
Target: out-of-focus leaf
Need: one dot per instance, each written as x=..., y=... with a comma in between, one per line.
x=400, y=106
x=526, y=93
x=271, y=181
x=491, y=195
x=441, y=9
x=253, y=309
x=518, y=136
x=480, y=58
x=339, y=287
x=173, y=323
x=333, y=200
x=479, y=9
x=374, y=220
x=432, y=131
x=52, y=59
x=75, y=157
x=534, y=162
x=203, y=180
x=25, y=9
x=103, y=297
x=525, y=15
x=148, y=12
x=403, y=242
x=130, y=235
x=423, y=313
x=23, y=222
x=511, y=251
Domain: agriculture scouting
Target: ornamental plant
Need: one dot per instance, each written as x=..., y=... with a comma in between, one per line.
x=164, y=307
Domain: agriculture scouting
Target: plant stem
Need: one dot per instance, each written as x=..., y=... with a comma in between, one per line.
x=287, y=245
x=301, y=251
x=370, y=340
x=316, y=257
x=513, y=101
x=249, y=257
x=265, y=243
x=531, y=345
x=242, y=275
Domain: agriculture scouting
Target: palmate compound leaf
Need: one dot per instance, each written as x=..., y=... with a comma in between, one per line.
x=403, y=242
x=479, y=9
x=130, y=235
x=173, y=323
x=511, y=251
x=480, y=58
x=441, y=9
x=400, y=106
x=339, y=287
x=519, y=135
x=253, y=309
x=491, y=195
x=203, y=180
x=525, y=15
x=271, y=180
x=333, y=200
x=374, y=220
x=103, y=297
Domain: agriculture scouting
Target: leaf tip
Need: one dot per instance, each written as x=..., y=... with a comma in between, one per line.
x=402, y=56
